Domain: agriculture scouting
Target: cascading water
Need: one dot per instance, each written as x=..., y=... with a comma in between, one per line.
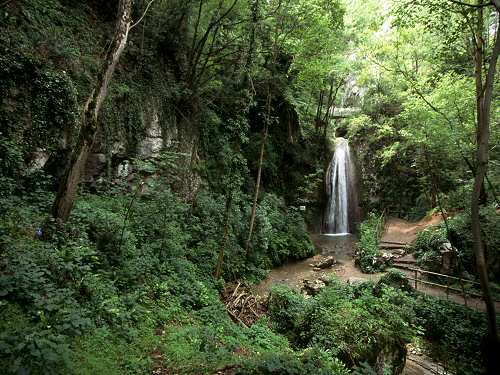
x=341, y=191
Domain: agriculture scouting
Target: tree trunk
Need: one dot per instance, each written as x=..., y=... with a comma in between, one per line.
x=267, y=120
x=332, y=97
x=68, y=186
x=220, y=260
x=254, y=8
x=484, y=97
x=257, y=187
x=319, y=109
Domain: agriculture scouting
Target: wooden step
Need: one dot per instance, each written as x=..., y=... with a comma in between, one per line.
x=404, y=261
x=394, y=243
x=391, y=246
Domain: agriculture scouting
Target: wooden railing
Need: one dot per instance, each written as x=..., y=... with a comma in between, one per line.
x=447, y=287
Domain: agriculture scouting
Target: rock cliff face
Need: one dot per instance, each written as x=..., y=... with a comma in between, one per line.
x=152, y=144
x=154, y=114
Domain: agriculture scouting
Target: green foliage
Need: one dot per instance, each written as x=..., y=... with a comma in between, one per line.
x=122, y=266
x=358, y=329
x=38, y=109
x=368, y=252
x=308, y=362
x=427, y=247
x=104, y=352
x=353, y=324
x=34, y=348
x=288, y=310
x=428, y=242
x=415, y=136
x=396, y=279
x=455, y=331
x=280, y=235
x=124, y=287
x=281, y=232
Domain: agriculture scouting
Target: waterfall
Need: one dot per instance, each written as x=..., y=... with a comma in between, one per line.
x=341, y=191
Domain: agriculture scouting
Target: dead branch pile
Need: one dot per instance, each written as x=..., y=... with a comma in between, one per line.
x=241, y=304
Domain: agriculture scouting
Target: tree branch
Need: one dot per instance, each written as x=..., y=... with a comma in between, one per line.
x=144, y=14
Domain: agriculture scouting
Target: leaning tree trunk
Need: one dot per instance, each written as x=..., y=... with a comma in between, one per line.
x=89, y=125
x=484, y=97
x=227, y=214
x=265, y=131
x=257, y=188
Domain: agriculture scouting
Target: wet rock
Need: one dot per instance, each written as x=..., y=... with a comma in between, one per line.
x=394, y=278
x=119, y=149
x=355, y=280
x=124, y=169
x=313, y=287
x=150, y=147
x=152, y=144
x=326, y=262
x=38, y=160
x=446, y=247
x=387, y=257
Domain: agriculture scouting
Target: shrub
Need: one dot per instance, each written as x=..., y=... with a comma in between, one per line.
x=353, y=324
x=308, y=362
x=428, y=242
x=358, y=329
x=368, y=252
x=280, y=235
x=454, y=331
x=427, y=247
x=396, y=279
x=288, y=310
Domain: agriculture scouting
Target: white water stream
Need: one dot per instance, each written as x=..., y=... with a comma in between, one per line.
x=340, y=189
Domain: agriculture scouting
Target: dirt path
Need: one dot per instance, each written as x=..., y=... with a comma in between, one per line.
x=398, y=231
x=402, y=231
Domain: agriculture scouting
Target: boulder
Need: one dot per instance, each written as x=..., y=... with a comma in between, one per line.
x=150, y=147
x=326, y=262
x=355, y=280
x=124, y=169
x=152, y=144
x=313, y=287
x=447, y=258
x=38, y=160
x=399, y=252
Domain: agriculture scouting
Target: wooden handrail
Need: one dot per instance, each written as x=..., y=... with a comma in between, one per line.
x=440, y=275
x=444, y=286
x=462, y=291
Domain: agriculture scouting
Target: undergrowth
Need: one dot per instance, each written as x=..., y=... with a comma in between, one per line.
x=128, y=277
x=368, y=252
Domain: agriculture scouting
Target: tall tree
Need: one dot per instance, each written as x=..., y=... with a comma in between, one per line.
x=307, y=30
x=89, y=124
x=484, y=93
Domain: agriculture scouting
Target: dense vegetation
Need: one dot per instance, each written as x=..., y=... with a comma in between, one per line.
x=363, y=323
x=153, y=151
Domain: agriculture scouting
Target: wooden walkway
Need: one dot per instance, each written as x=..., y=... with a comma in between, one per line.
x=398, y=236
